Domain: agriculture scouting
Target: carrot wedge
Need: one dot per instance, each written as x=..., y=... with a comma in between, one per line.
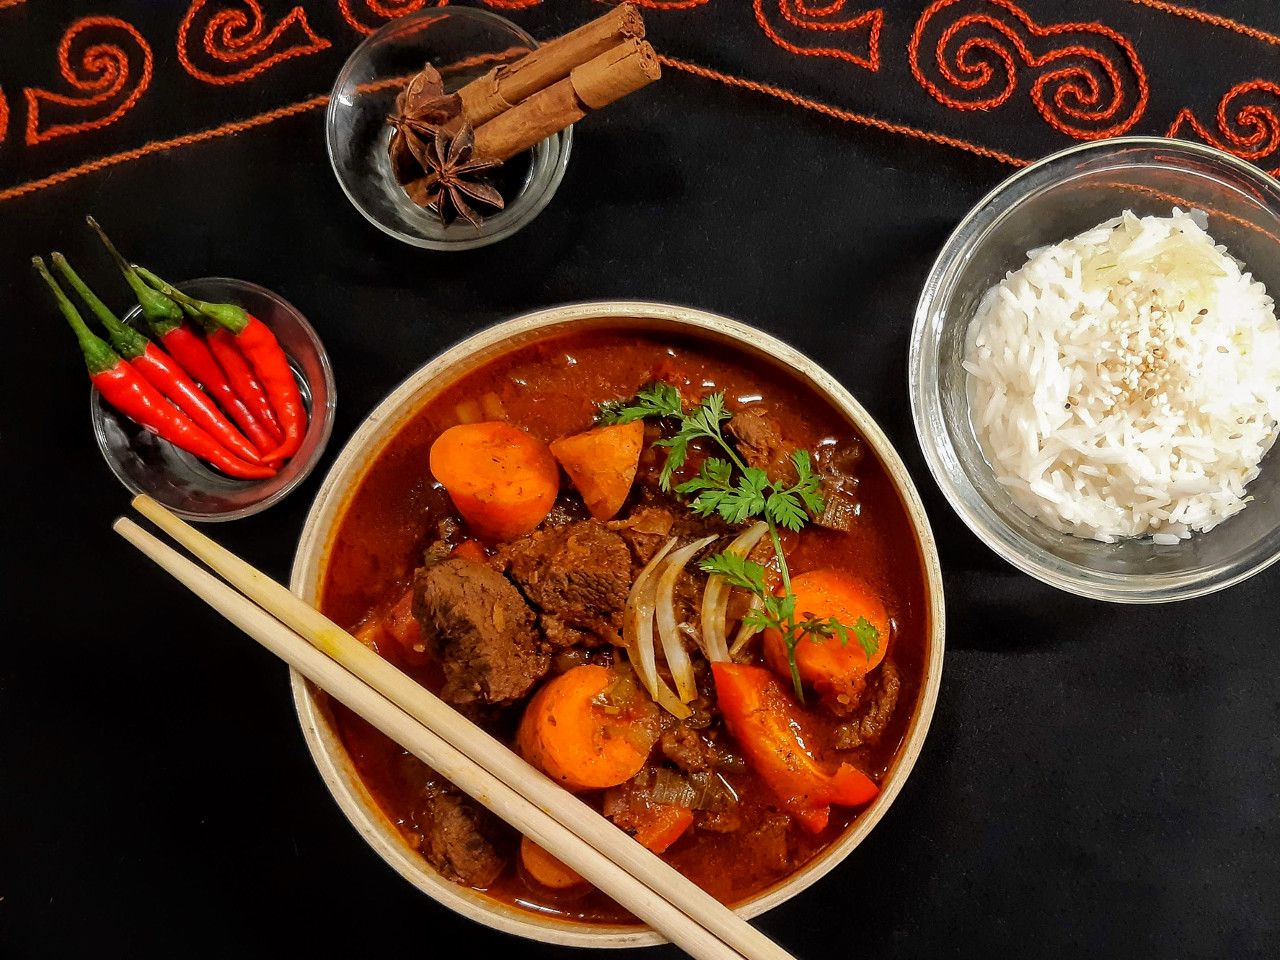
x=602, y=464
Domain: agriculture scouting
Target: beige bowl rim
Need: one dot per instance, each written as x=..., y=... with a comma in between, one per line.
x=326, y=749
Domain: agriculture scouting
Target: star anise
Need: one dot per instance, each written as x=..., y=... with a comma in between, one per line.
x=450, y=178
x=422, y=108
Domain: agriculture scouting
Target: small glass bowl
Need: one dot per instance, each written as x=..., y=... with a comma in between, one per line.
x=1048, y=202
x=365, y=95
x=181, y=481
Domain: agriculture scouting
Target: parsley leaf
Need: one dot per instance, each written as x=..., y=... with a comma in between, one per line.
x=737, y=571
x=868, y=636
x=656, y=400
x=727, y=487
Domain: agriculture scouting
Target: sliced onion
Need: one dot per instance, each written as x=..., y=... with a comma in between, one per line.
x=671, y=789
x=712, y=791
x=637, y=633
x=746, y=631
x=715, y=599
x=673, y=650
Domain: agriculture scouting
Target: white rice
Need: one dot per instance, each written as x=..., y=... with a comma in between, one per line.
x=1127, y=382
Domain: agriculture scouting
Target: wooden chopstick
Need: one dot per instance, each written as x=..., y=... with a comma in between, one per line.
x=461, y=770
x=734, y=936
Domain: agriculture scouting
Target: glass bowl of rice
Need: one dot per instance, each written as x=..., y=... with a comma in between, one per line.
x=1095, y=370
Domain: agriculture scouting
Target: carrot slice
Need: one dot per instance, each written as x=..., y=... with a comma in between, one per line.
x=662, y=826
x=576, y=742
x=832, y=668
x=545, y=869
x=502, y=480
x=602, y=464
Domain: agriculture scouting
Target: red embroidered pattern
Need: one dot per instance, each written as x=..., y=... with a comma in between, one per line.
x=233, y=36
x=1250, y=130
x=102, y=75
x=838, y=113
x=800, y=15
x=1091, y=84
x=1080, y=90
x=666, y=4
x=1212, y=19
x=385, y=9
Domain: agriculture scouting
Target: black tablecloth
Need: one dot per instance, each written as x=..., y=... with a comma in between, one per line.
x=1099, y=780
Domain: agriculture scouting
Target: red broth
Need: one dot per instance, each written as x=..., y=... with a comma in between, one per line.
x=551, y=388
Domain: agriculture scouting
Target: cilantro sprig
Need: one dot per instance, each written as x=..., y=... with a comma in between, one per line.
x=727, y=487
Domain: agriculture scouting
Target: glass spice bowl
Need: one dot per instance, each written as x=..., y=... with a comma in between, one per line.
x=186, y=484
x=463, y=44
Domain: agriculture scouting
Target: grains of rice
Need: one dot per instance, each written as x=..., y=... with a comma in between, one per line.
x=1126, y=382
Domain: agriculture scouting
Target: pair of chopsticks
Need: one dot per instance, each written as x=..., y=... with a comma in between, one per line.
x=431, y=730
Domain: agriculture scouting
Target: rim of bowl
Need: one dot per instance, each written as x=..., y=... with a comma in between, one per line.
x=539, y=203
x=97, y=411
x=382, y=425
x=939, y=452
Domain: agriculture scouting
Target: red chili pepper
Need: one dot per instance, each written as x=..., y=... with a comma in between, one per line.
x=168, y=324
x=125, y=389
x=261, y=348
x=223, y=346
x=159, y=370
x=770, y=727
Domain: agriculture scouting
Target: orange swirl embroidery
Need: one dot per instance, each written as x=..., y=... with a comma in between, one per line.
x=233, y=36
x=516, y=4
x=1249, y=129
x=1080, y=90
x=4, y=116
x=385, y=10
x=102, y=76
x=801, y=16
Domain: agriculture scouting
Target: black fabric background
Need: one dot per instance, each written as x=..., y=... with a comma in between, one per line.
x=1099, y=780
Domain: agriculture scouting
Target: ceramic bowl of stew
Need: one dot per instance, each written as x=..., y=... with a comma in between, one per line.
x=545, y=371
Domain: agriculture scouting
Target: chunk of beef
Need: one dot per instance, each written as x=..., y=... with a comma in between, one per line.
x=459, y=837
x=645, y=531
x=577, y=576
x=687, y=749
x=837, y=464
x=728, y=820
x=877, y=706
x=478, y=627
x=759, y=439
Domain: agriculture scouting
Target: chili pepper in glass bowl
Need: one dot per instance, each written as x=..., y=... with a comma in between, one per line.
x=186, y=485
x=268, y=361
x=265, y=357
x=222, y=342
x=161, y=371
x=167, y=322
x=129, y=392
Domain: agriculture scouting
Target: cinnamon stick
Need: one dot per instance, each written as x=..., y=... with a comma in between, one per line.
x=600, y=81
x=505, y=86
